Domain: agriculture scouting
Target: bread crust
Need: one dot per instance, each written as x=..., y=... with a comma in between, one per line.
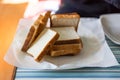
x=72, y=41
x=46, y=16
x=28, y=39
x=65, y=52
x=67, y=46
x=66, y=15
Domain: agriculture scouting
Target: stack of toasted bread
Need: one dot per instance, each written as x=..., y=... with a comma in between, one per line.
x=58, y=40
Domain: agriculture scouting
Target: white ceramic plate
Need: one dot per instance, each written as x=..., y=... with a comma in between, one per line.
x=111, y=26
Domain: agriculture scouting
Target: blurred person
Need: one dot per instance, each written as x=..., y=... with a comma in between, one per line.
x=89, y=8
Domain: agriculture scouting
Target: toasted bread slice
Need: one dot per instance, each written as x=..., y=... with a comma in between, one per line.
x=65, y=20
x=35, y=30
x=65, y=52
x=69, y=42
x=67, y=46
x=42, y=44
x=66, y=49
x=68, y=35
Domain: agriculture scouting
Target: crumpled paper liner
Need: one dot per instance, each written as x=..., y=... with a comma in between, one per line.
x=95, y=52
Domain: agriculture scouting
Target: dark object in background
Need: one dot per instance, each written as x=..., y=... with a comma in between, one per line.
x=87, y=8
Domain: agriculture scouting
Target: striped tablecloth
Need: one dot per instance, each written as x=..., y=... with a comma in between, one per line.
x=88, y=72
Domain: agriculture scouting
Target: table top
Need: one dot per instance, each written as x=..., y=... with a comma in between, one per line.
x=9, y=18
x=87, y=72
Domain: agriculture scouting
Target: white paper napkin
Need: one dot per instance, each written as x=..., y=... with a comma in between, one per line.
x=93, y=53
